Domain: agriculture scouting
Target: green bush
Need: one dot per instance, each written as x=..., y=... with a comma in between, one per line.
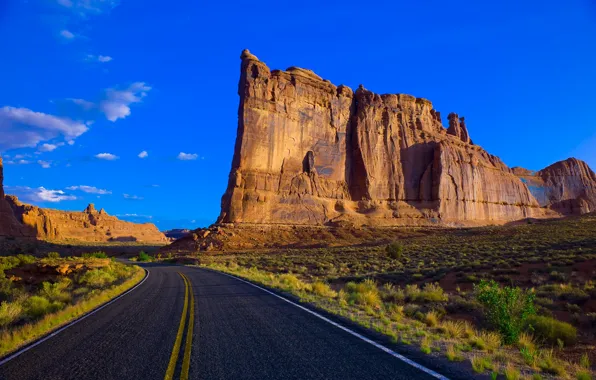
x=9, y=311
x=365, y=293
x=53, y=255
x=95, y=255
x=551, y=330
x=97, y=278
x=507, y=308
x=38, y=306
x=56, y=291
x=144, y=257
x=394, y=250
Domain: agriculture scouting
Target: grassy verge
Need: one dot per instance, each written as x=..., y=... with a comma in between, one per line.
x=30, y=311
x=410, y=316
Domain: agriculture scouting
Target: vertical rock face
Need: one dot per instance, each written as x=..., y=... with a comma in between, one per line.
x=567, y=187
x=308, y=152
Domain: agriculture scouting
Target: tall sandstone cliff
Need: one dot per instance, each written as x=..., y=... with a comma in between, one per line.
x=21, y=220
x=310, y=153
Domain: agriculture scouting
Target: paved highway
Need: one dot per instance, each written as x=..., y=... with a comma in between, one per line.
x=238, y=331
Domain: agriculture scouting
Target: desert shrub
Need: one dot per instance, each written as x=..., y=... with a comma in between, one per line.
x=511, y=373
x=290, y=282
x=56, y=291
x=431, y=319
x=144, y=257
x=97, y=278
x=551, y=330
x=394, y=250
x=322, y=289
x=38, y=306
x=507, y=308
x=25, y=259
x=550, y=364
x=431, y=292
x=364, y=293
x=9, y=312
x=53, y=255
x=95, y=255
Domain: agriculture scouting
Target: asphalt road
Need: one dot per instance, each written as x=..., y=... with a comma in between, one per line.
x=238, y=332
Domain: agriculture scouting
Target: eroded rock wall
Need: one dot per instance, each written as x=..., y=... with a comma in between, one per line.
x=567, y=187
x=311, y=153
x=88, y=226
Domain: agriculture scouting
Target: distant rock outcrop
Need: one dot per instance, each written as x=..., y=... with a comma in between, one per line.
x=311, y=153
x=21, y=220
x=90, y=225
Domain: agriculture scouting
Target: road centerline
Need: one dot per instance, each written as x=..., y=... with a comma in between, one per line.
x=188, y=344
x=177, y=343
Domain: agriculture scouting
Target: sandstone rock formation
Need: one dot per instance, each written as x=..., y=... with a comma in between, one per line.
x=89, y=225
x=567, y=187
x=312, y=153
x=18, y=220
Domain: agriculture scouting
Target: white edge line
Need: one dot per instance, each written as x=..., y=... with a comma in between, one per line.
x=379, y=346
x=56, y=332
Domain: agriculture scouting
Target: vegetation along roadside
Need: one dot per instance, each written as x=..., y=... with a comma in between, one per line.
x=39, y=295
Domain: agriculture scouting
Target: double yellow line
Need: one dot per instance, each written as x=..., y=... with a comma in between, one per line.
x=188, y=345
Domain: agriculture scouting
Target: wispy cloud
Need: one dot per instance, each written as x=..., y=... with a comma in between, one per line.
x=116, y=104
x=143, y=154
x=82, y=103
x=47, y=147
x=24, y=128
x=67, y=34
x=107, y=156
x=132, y=197
x=84, y=8
x=99, y=58
x=187, y=156
x=45, y=164
x=17, y=162
x=39, y=194
x=89, y=189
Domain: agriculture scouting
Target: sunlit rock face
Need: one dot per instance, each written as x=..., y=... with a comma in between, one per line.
x=312, y=153
x=567, y=187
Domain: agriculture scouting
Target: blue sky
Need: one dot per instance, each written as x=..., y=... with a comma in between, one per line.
x=88, y=85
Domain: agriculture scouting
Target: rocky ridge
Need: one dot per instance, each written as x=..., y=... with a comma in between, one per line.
x=22, y=220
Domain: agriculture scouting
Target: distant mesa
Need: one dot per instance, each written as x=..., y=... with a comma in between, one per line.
x=22, y=220
x=309, y=153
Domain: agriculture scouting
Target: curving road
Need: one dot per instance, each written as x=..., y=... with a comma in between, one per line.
x=238, y=332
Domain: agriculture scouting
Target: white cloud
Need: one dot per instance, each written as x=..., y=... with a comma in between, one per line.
x=143, y=154
x=17, y=162
x=45, y=164
x=187, y=156
x=116, y=104
x=47, y=147
x=107, y=156
x=99, y=58
x=70, y=142
x=132, y=197
x=86, y=7
x=67, y=34
x=23, y=128
x=82, y=102
x=40, y=194
x=89, y=189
